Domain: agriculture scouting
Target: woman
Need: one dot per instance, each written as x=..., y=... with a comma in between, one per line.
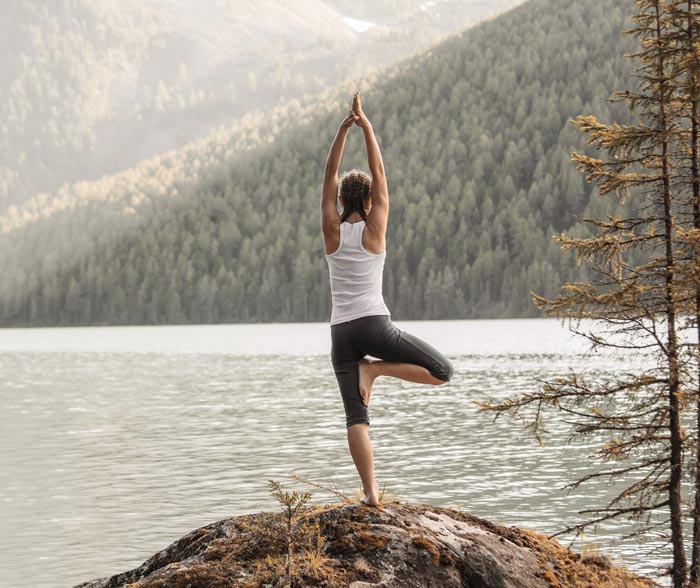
x=355, y=246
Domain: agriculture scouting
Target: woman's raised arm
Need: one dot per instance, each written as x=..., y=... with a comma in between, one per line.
x=379, y=215
x=330, y=219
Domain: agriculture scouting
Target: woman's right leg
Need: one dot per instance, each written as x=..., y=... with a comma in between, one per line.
x=403, y=356
x=411, y=372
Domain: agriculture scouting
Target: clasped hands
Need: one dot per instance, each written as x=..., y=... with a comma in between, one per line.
x=355, y=115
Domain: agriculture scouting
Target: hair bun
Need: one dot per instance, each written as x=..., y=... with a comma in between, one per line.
x=355, y=188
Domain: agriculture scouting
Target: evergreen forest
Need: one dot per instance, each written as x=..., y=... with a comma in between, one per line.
x=92, y=87
x=476, y=141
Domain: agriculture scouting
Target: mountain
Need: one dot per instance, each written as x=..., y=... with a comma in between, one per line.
x=95, y=86
x=476, y=143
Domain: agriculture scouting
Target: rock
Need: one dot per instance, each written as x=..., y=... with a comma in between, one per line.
x=395, y=546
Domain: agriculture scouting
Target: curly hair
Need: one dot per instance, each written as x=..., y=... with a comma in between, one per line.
x=354, y=189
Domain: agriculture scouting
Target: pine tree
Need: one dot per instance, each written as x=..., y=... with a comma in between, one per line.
x=685, y=57
x=633, y=299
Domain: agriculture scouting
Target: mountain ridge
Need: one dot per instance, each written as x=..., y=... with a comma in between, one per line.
x=95, y=86
x=476, y=144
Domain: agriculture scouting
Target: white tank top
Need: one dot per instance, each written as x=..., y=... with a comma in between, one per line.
x=356, y=277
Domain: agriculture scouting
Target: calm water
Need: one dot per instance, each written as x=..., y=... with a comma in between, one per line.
x=116, y=441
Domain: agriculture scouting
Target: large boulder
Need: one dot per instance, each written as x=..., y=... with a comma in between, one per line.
x=352, y=545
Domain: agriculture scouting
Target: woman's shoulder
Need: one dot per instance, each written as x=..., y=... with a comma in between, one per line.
x=371, y=241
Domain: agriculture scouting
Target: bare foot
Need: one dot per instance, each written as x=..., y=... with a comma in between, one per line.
x=371, y=498
x=367, y=378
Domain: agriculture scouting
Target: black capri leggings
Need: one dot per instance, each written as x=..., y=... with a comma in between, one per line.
x=379, y=337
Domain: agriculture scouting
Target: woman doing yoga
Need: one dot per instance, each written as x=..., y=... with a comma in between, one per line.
x=355, y=247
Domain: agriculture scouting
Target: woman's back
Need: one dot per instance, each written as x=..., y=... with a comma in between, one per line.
x=356, y=277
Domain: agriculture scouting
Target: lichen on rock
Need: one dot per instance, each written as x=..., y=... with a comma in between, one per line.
x=397, y=545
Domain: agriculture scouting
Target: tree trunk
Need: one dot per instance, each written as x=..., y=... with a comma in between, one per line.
x=679, y=569
x=695, y=558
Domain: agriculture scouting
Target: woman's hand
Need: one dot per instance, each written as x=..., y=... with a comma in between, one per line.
x=348, y=121
x=360, y=119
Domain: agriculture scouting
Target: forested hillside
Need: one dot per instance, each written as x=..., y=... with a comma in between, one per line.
x=476, y=145
x=94, y=86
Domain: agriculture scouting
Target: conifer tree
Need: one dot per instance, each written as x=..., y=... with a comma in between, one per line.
x=633, y=299
x=684, y=53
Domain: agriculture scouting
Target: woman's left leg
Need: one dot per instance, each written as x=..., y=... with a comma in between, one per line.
x=363, y=457
x=346, y=359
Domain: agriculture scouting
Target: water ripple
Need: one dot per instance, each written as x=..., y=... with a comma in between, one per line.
x=117, y=441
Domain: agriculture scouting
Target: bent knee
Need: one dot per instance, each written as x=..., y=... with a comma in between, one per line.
x=443, y=371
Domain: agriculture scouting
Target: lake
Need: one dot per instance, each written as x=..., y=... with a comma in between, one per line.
x=118, y=440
